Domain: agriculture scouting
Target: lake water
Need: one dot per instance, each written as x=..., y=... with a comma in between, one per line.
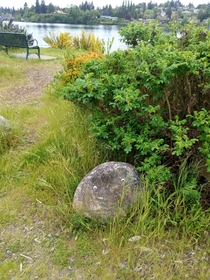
x=106, y=32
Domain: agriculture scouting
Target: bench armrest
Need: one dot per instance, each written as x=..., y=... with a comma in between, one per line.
x=33, y=43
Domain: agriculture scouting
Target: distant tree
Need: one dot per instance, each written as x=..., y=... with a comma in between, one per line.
x=178, y=4
x=190, y=5
x=13, y=11
x=87, y=6
x=110, y=10
x=43, y=7
x=172, y=4
x=202, y=14
x=150, y=6
x=156, y=12
x=149, y=14
x=180, y=13
x=50, y=8
x=37, y=7
x=144, y=7
x=201, y=6
x=136, y=15
x=25, y=6
x=169, y=11
x=128, y=16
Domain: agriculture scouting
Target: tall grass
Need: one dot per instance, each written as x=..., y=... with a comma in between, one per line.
x=63, y=152
x=67, y=146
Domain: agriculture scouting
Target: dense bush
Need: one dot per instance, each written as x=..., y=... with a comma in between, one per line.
x=150, y=104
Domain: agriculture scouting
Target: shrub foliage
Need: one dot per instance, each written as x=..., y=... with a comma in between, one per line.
x=150, y=104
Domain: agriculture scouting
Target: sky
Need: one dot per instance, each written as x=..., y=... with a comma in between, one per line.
x=97, y=3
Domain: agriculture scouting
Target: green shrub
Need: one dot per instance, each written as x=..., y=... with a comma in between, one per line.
x=147, y=103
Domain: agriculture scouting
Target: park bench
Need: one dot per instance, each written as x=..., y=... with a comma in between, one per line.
x=19, y=40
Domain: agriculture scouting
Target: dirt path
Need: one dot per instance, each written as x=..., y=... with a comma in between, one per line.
x=37, y=77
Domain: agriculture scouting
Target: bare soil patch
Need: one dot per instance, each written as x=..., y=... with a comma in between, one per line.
x=37, y=77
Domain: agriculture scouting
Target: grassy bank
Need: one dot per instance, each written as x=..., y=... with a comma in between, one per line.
x=48, y=151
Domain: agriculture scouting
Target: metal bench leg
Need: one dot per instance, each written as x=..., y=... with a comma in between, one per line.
x=27, y=54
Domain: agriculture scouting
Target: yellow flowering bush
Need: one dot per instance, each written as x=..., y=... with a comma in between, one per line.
x=73, y=66
x=87, y=41
x=60, y=41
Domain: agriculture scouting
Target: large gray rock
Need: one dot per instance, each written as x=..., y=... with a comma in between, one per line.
x=108, y=188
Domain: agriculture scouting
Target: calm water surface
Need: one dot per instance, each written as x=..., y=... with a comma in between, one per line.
x=105, y=32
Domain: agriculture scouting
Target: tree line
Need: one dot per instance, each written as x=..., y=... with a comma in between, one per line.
x=87, y=13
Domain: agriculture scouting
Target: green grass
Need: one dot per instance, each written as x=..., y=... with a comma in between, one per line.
x=50, y=151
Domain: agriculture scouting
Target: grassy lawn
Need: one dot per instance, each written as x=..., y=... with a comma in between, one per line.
x=42, y=159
